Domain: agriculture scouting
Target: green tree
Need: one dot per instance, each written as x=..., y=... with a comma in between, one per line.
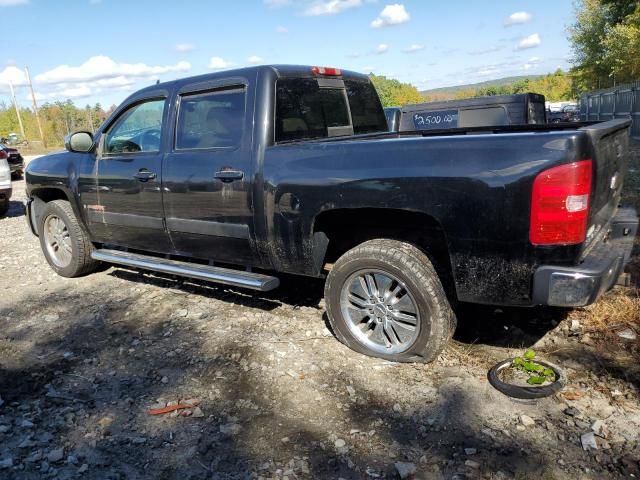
x=605, y=40
x=394, y=93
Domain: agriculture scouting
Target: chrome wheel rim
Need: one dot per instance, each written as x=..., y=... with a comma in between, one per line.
x=57, y=241
x=380, y=311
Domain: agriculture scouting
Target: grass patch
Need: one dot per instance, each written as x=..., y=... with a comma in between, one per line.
x=620, y=308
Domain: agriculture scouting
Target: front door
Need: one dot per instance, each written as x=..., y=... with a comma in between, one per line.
x=128, y=175
x=207, y=176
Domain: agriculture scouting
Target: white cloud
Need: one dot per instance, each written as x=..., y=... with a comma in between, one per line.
x=354, y=55
x=382, y=48
x=281, y=29
x=531, y=63
x=517, y=18
x=73, y=92
x=393, y=14
x=101, y=67
x=413, y=48
x=254, y=59
x=13, y=3
x=330, y=7
x=184, y=47
x=531, y=41
x=218, y=63
x=12, y=75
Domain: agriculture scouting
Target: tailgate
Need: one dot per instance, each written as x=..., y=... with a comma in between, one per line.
x=609, y=145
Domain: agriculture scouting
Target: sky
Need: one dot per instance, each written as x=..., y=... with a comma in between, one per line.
x=102, y=50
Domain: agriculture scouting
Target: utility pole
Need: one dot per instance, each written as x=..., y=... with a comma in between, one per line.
x=15, y=104
x=35, y=107
x=90, y=118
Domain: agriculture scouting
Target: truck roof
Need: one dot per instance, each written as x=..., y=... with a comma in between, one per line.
x=279, y=70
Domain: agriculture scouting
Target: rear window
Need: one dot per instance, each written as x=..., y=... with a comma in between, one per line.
x=306, y=111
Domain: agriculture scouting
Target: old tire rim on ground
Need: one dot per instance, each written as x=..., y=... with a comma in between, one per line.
x=380, y=311
x=525, y=392
x=57, y=241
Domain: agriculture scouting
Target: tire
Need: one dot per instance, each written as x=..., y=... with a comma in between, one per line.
x=4, y=207
x=371, y=329
x=76, y=240
x=526, y=393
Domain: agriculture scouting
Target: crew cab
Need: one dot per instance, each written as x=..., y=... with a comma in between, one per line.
x=237, y=177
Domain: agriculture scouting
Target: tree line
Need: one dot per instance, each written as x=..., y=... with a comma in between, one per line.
x=58, y=119
x=554, y=86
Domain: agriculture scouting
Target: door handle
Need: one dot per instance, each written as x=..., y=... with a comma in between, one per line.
x=229, y=175
x=144, y=175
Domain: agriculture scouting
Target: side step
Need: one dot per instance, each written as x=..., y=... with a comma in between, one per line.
x=227, y=276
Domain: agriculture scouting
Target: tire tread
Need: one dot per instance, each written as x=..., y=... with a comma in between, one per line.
x=410, y=259
x=81, y=261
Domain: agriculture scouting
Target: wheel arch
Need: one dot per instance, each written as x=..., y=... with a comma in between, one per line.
x=345, y=228
x=44, y=195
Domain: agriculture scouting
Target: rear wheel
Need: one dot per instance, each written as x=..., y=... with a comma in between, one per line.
x=64, y=242
x=384, y=299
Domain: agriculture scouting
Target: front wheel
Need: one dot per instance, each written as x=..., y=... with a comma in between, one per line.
x=385, y=299
x=64, y=242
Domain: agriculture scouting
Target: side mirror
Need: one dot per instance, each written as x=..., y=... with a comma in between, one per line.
x=81, y=142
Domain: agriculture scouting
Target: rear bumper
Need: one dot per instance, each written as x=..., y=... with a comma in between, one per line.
x=5, y=194
x=598, y=272
x=17, y=167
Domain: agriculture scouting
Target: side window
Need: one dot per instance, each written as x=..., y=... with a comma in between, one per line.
x=137, y=130
x=211, y=120
x=306, y=111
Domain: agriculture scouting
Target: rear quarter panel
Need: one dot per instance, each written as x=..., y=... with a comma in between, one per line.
x=477, y=187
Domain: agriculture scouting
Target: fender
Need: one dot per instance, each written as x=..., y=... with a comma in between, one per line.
x=57, y=177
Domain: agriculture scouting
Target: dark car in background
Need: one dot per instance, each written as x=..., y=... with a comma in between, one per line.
x=568, y=113
x=14, y=159
x=497, y=110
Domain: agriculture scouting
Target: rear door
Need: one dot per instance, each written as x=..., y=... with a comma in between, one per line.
x=207, y=175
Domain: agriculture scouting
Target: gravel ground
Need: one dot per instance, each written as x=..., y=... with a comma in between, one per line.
x=272, y=393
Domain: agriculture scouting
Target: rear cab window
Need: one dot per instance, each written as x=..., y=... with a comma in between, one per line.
x=314, y=108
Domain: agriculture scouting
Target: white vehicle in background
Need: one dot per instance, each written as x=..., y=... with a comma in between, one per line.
x=5, y=186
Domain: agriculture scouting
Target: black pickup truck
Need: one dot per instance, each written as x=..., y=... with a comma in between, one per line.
x=237, y=176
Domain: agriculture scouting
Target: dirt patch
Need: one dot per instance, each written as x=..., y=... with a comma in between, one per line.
x=82, y=361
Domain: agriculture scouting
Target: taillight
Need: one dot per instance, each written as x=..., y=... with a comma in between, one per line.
x=3, y=154
x=326, y=71
x=560, y=204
